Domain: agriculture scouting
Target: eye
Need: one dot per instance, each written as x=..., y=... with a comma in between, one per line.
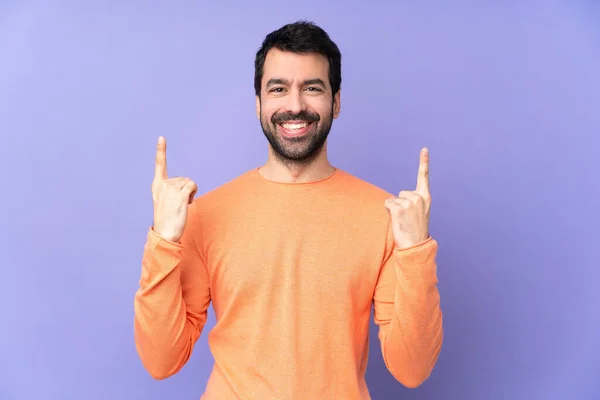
x=314, y=89
x=276, y=90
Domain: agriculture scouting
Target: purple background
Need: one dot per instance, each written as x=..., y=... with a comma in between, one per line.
x=505, y=94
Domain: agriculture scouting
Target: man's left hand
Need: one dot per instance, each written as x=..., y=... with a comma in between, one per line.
x=410, y=210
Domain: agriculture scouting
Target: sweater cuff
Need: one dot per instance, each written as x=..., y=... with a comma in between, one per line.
x=160, y=258
x=418, y=262
x=157, y=239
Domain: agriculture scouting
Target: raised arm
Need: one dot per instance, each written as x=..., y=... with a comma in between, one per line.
x=174, y=294
x=407, y=301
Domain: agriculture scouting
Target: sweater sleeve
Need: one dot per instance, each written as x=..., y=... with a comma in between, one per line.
x=171, y=303
x=407, y=311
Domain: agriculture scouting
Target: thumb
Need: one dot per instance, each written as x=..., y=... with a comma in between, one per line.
x=190, y=189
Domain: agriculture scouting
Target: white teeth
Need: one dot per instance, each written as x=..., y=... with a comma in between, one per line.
x=293, y=127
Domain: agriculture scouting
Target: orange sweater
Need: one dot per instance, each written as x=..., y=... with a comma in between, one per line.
x=292, y=271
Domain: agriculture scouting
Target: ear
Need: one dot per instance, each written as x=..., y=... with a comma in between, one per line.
x=337, y=105
x=258, y=107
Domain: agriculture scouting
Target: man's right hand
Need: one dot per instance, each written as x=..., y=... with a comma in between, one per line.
x=171, y=197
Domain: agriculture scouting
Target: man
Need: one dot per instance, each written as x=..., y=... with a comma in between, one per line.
x=292, y=254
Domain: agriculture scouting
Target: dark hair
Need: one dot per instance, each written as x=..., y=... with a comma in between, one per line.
x=300, y=37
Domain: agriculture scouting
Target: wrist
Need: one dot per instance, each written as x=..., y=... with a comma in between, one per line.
x=413, y=244
x=167, y=236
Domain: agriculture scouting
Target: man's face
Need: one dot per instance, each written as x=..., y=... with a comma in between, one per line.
x=296, y=107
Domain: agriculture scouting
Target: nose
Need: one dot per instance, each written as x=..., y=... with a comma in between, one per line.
x=295, y=102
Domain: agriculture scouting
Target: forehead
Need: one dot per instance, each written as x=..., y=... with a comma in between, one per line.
x=295, y=67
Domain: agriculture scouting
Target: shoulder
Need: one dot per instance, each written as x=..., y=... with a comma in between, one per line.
x=362, y=190
x=223, y=195
x=367, y=202
x=366, y=199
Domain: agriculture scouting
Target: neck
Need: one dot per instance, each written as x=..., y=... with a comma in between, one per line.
x=286, y=171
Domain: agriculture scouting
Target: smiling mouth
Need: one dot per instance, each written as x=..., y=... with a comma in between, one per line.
x=294, y=129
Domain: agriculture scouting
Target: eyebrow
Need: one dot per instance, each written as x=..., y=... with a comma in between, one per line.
x=280, y=81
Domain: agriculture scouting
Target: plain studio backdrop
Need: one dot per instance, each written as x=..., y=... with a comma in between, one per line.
x=505, y=94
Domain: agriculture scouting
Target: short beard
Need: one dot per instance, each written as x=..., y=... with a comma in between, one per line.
x=301, y=151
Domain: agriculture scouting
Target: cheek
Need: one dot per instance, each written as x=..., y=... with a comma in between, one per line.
x=266, y=117
x=265, y=114
x=323, y=107
x=267, y=110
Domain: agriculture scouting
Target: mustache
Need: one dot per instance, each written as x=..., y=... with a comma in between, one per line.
x=280, y=118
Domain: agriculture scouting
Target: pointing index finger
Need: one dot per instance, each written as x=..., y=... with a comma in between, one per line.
x=160, y=171
x=423, y=174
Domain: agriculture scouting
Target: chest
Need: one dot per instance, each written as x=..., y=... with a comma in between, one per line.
x=294, y=259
